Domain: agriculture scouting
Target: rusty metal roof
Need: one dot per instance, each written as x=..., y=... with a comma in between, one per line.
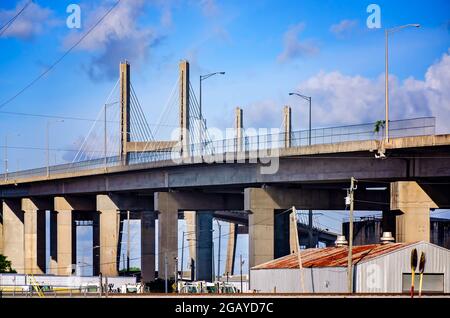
x=332, y=256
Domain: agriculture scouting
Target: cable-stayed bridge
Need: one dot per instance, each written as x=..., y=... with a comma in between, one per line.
x=250, y=179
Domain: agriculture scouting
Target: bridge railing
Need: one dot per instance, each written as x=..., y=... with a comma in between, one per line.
x=399, y=128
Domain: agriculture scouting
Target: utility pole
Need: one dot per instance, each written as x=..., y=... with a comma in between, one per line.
x=349, y=200
x=310, y=228
x=48, y=148
x=100, y=285
x=297, y=247
x=213, y=276
x=241, y=262
x=165, y=272
x=218, y=252
x=128, y=242
x=176, y=275
x=6, y=157
x=104, y=136
x=182, y=255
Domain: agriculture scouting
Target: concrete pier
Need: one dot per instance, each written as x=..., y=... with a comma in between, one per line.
x=204, y=246
x=231, y=248
x=109, y=221
x=167, y=233
x=413, y=205
x=35, y=234
x=148, y=246
x=190, y=240
x=66, y=236
x=13, y=234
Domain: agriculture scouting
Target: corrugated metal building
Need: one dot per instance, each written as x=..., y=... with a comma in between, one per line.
x=368, y=230
x=378, y=268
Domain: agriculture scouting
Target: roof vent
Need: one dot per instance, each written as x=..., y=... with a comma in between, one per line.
x=387, y=238
x=341, y=241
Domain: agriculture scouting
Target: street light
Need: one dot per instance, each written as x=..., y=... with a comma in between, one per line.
x=105, y=141
x=386, y=33
x=309, y=100
x=6, y=155
x=48, y=143
x=218, y=252
x=202, y=78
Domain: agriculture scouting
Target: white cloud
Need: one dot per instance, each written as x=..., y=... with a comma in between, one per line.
x=343, y=28
x=341, y=99
x=293, y=48
x=33, y=20
x=117, y=38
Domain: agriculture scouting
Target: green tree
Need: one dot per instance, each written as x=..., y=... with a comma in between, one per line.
x=5, y=265
x=379, y=125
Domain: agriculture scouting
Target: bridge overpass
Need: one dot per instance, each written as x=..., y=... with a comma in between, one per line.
x=248, y=179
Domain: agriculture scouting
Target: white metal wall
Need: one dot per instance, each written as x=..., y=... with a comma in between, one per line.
x=379, y=275
x=384, y=274
x=316, y=280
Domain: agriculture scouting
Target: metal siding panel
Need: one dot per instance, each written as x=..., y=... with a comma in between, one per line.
x=324, y=280
x=390, y=268
x=397, y=263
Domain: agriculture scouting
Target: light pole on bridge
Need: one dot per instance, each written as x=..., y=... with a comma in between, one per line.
x=48, y=142
x=386, y=36
x=6, y=156
x=308, y=98
x=202, y=78
x=310, y=212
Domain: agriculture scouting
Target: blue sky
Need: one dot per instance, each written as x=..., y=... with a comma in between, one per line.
x=266, y=47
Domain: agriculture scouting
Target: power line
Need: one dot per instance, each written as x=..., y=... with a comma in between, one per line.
x=60, y=58
x=68, y=117
x=42, y=148
x=11, y=21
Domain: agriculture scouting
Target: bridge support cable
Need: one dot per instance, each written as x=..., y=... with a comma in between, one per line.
x=203, y=137
x=147, y=132
x=94, y=143
x=164, y=121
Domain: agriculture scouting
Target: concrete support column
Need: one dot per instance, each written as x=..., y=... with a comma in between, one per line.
x=271, y=233
x=287, y=126
x=66, y=236
x=231, y=248
x=184, y=108
x=190, y=237
x=261, y=225
x=204, y=246
x=125, y=110
x=13, y=234
x=148, y=246
x=109, y=222
x=167, y=233
x=35, y=234
x=414, y=204
x=261, y=236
